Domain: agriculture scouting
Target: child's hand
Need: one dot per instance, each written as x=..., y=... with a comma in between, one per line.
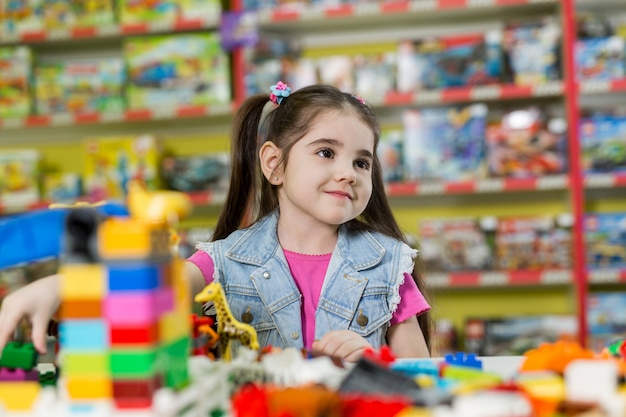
x=344, y=344
x=37, y=302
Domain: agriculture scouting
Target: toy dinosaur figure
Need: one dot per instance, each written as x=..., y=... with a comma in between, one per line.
x=228, y=327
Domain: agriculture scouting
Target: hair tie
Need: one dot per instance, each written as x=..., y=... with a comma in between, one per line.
x=279, y=91
x=359, y=99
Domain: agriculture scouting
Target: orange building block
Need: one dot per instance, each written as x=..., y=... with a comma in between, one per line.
x=89, y=388
x=125, y=238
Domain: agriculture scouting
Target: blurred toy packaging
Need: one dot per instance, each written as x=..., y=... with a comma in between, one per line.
x=62, y=187
x=337, y=70
x=93, y=86
x=21, y=16
x=605, y=240
x=16, y=67
x=508, y=336
x=540, y=242
x=390, y=155
x=445, y=143
x=445, y=338
x=177, y=70
x=160, y=11
x=189, y=237
x=19, y=178
x=606, y=318
x=526, y=143
x=463, y=60
x=600, y=58
x=532, y=51
x=110, y=163
x=375, y=75
x=276, y=58
x=197, y=173
x=455, y=244
x=603, y=143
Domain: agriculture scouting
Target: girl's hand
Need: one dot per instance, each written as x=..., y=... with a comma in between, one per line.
x=343, y=344
x=37, y=301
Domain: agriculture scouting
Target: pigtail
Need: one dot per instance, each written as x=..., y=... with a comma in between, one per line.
x=244, y=182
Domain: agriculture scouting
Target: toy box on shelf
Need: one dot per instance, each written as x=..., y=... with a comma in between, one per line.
x=526, y=142
x=208, y=172
x=600, y=58
x=176, y=70
x=19, y=178
x=444, y=143
x=390, y=155
x=111, y=162
x=20, y=16
x=375, y=75
x=463, y=60
x=606, y=315
x=515, y=335
x=603, y=143
x=532, y=51
x=161, y=11
x=541, y=242
x=15, y=91
x=62, y=187
x=605, y=240
x=455, y=244
x=86, y=86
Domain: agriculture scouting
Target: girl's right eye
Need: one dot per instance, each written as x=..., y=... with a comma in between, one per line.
x=325, y=153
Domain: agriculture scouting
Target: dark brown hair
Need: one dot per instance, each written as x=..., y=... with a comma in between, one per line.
x=250, y=196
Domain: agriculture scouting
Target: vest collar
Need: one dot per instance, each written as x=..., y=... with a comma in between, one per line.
x=260, y=242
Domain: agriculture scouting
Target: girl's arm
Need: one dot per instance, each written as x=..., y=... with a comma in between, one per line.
x=406, y=339
x=194, y=277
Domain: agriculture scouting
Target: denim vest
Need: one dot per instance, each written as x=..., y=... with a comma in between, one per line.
x=360, y=290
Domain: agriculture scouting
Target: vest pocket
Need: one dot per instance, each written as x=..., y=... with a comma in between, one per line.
x=371, y=318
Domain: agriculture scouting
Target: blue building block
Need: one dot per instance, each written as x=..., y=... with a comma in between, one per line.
x=37, y=235
x=134, y=276
x=84, y=335
x=467, y=360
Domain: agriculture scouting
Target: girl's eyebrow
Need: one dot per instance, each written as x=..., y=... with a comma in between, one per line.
x=338, y=144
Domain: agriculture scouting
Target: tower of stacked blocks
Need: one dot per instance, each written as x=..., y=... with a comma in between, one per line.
x=124, y=311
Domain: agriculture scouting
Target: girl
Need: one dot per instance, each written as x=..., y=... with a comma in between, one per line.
x=323, y=265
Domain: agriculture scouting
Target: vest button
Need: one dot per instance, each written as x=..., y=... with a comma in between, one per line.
x=266, y=275
x=295, y=335
x=362, y=320
x=247, y=317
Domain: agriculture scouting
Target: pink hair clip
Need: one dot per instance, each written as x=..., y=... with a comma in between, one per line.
x=358, y=98
x=279, y=91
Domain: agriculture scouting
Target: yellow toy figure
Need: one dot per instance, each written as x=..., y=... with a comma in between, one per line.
x=228, y=327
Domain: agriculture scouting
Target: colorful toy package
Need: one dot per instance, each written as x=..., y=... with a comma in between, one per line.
x=600, y=58
x=197, y=173
x=532, y=51
x=455, y=244
x=62, y=187
x=80, y=87
x=526, y=243
x=507, y=336
x=605, y=240
x=20, y=17
x=525, y=144
x=177, y=70
x=603, y=143
x=375, y=75
x=444, y=143
x=463, y=60
x=110, y=163
x=19, y=178
x=15, y=66
x=161, y=11
x=606, y=318
x=390, y=155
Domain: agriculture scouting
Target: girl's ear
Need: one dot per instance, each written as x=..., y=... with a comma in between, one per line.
x=270, y=157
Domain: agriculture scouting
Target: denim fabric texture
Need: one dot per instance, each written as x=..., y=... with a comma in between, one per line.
x=363, y=278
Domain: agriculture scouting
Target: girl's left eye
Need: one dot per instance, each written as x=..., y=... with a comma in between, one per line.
x=363, y=164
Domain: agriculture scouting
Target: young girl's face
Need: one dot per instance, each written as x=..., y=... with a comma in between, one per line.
x=328, y=177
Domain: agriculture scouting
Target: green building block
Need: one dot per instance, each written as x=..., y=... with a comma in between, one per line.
x=18, y=355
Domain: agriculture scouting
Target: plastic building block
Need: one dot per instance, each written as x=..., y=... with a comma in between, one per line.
x=468, y=360
x=19, y=355
x=19, y=396
x=15, y=375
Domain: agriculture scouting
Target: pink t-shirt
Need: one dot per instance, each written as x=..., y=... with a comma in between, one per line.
x=308, y=272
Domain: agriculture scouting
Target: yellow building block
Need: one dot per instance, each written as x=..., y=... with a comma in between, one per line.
x=179, y=284
x=86, y=364
x=125, y=238
x=19, y=396
x=174, y=325
x=82, y=281
x=88, y=388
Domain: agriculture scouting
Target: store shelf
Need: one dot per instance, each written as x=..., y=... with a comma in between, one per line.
x=605, y=180
x=494, y=279
x=288, y=15
x=165, y=113
x=494, y=185
x=607, y=276
x=603, y=86
x=111, y=31
x=478, y=93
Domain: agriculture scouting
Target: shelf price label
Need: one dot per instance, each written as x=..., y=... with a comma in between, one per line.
x=438, y=280
x=604, y=276
x=493, y=279
x=556, y=277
